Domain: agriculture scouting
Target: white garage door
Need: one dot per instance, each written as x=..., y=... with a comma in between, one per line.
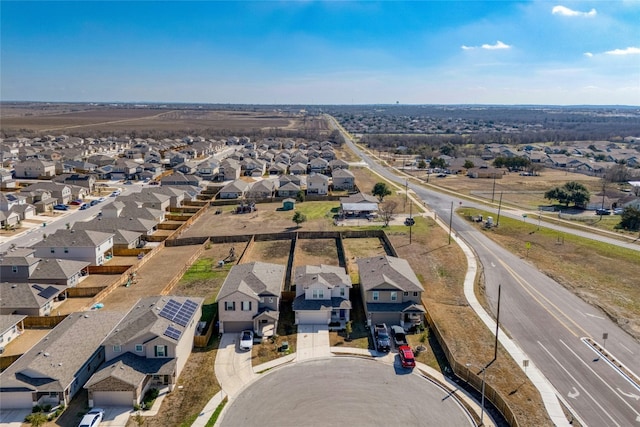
x=237, y=326
x=313, y=317
x=15, y=400
x=112, y=398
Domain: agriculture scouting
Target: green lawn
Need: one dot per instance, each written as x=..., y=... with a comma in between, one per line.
x=318, y=210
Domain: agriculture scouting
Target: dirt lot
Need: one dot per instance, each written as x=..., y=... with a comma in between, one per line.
x=316, y=252
x=141, y=122
x=274, y=251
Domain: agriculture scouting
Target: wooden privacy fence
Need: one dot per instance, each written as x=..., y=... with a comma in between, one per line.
x=463, y=372
x=6, y=361
x=201, y=341
x=179, y=274
x=43, y=322
x=84, y=292
x=108, y=269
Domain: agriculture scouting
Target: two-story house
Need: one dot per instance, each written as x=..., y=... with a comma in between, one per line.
x=343, y=179
x=249, y=298
x=81, y=245
x=322, y=296
x=35, y=168
x=57, y=367
x=318, y=184
x=391, y=291
x=147, y=349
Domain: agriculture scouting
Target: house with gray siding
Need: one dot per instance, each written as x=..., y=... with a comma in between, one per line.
x=81, y=245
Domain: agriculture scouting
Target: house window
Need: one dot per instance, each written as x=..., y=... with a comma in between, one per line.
x=394, y=296
x=415, y=294
x=117, y=349
x=14, y=268
x=342, y=292
x=138, y=348
x=66, y=250
x=53, y=250
x=271, y=300
x=406, y=294
x=246, y=306
x=161, y=351
x=376, y=295
x=229, y=306
x=318, y=294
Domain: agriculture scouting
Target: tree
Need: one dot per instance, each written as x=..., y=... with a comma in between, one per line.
x=348, y=330
x=422, y=164
x=630, y=219
x=437, y=162
x=386, y=210
x=37, y=419
x=570, y=192
x=381, y=190
x=299, y=218
x=468, y=164
x=300, y=196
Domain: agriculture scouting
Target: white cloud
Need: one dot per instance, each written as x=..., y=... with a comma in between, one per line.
x=588, y=54
x=565, y=11
x=627, y=51
x=498, y=45
x=467, y=47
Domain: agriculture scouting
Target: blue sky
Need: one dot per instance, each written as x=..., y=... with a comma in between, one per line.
x=308, y=52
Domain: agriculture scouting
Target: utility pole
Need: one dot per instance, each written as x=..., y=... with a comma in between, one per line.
x=493, y=191
x=406, y=194
x=411, y=222
x=450, y=221
x=499, y=207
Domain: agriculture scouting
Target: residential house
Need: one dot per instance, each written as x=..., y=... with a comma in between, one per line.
x=229, y=170
x=35, y=168
x=11, y=326
x=343, y=179
x=6, y=180
x=318, y=184
x=249, y=298
x=288, y=190
x=359, y=204
x=338, y=164
x=64, y=272
x=262, y=189
x=278, y=169
x=298, y=169
x=30, y=299
x=144, y=226
x=147, y=349
x=57, y=367
x=391, y=292
x=85, y=181
x=148, y=199
x=318, y=165
x=208, y=169
x=485, y=172
x=124, y=169
x=322, y=296
x=180, y=179
x=81, y=245
x=61, y=192
x=18, y=264
x=176, y=195
x=234, y=190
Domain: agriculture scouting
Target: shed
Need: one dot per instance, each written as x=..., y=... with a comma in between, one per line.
x=288, y=204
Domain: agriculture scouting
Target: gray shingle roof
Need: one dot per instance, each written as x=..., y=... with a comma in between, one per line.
x=75, y=237
x=53, y=268
x=7, y=321
x=329, y=275
x=52, y=363
x=27, y=295
x=388, y=272
x=131, y=369
x=144, y=318
x=302, y=304
x=254, y=278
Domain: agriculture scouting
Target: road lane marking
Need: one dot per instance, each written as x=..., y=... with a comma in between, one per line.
x=529, y=289
x=631, y=395
x=625, y=347
x=593, y=315
x=578, y=383
x=575, y=393
x=600, y=378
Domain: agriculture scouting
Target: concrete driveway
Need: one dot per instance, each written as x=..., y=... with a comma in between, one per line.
x=233, y=366
x=13, y=417
x=313, y=342
x=115, y=416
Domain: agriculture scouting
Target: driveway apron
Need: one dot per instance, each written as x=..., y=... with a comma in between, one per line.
x=233, y=366
x=313, y=342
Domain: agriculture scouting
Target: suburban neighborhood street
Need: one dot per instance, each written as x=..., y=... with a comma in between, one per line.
x=548, y=322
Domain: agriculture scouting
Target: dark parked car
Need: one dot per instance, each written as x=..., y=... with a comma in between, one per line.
x=61, y=207
x=406, y=357
x=603, y=212
x=409, y=222
x=398, y=334
x=94, y=202
x=76, y=202
x=84, y=206
x=383, y=342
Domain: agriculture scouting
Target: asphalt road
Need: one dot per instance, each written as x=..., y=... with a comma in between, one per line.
x=548, y=322
x=344, y=392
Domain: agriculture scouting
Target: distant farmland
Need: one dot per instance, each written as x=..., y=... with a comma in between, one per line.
x=143, y=122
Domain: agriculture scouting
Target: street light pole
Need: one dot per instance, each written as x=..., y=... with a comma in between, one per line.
x=450, y=221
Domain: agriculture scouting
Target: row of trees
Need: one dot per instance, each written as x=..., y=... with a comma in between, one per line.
x=570, y=192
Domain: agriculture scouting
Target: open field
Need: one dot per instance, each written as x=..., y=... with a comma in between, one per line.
x=592, y=270
x=315, y=252
x=147, y=121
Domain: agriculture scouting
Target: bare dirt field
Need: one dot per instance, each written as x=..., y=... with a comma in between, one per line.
x=273, y=251
x=316, y=252
x=143, y=121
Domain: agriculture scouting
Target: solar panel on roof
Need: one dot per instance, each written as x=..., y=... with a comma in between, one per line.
x=172, y=333
x=170, y=309
x=48, y=292
x=38, y=288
